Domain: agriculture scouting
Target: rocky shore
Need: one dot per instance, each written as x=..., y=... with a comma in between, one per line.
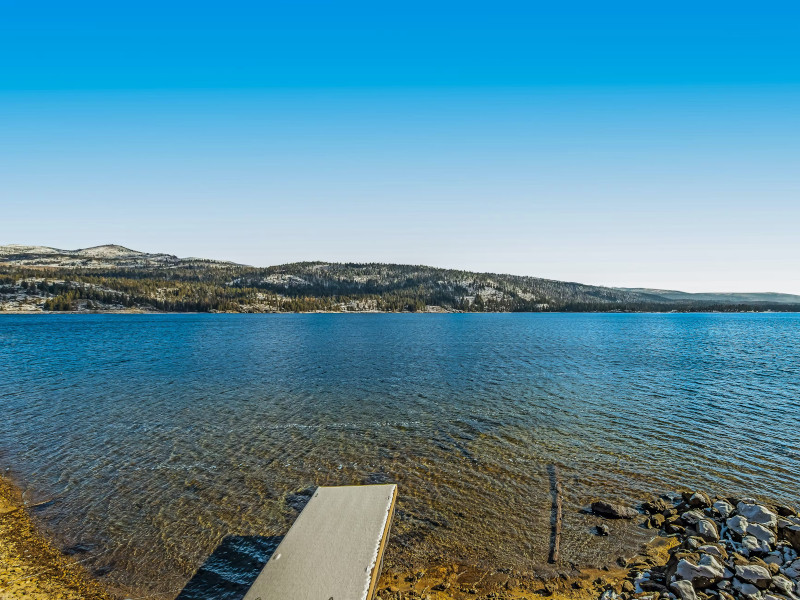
x=704, y=548
x=729, y=549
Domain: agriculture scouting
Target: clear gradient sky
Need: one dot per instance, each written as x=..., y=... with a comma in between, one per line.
x=616, y=143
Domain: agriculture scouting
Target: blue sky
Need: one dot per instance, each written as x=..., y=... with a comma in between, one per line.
x=609, y=143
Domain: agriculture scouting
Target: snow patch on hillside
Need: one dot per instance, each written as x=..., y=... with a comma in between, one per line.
x=95, y=257
x=22, y=249
x=106, y=251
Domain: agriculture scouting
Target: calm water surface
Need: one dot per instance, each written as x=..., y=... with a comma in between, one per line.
x=158, y=435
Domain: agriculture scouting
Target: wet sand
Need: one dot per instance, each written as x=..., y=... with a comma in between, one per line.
x=30, y=567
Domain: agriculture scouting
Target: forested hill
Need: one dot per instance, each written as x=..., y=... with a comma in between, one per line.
x=117, y=278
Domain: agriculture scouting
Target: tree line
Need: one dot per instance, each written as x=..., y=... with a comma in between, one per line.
x=308, y=287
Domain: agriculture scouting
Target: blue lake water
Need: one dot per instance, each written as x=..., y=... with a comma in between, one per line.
x=158, y=435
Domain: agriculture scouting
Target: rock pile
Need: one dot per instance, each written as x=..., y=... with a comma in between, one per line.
x=729, y=549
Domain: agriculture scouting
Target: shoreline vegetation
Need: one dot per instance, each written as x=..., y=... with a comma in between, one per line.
x=703, y=548
x=117, y=279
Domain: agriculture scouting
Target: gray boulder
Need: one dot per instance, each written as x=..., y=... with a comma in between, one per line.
x=793, y=570
x=738, y=525
x=715, y=550
x=707, y=529
x=705, y=573
x=788, y=553
x=693, y=543
x=747, y=590
x=755, y=574
x=725, y=509
x=785, y=522
x=683, y=589
x=792, y=535
x=751, y=544
x=782, y=585
x=761, y=533
x=755, y=513
x=774, y=558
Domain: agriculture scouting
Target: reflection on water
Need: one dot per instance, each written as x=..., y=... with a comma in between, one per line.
x=160, y=435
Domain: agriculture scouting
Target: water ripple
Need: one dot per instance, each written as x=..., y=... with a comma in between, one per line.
x=161, y=435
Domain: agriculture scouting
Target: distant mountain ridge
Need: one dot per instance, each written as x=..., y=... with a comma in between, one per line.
x=734, y=297
x=113, y=277
x=107, y=255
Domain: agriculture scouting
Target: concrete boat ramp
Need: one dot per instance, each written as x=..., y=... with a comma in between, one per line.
x=334, y=549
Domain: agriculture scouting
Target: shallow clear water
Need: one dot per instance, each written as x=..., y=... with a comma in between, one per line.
x=158, y=435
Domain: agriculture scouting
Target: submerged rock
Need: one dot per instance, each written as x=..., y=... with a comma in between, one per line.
x=609, y=595
x=659, y=505
x=699, y=500
x=298, y=500
x=656, y=521
x=613, y=511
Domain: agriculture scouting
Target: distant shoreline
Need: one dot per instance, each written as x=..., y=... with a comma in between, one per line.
x=113, y=278
x=386, y=312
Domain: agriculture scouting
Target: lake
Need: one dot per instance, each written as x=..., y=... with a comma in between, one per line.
x=157, y=435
